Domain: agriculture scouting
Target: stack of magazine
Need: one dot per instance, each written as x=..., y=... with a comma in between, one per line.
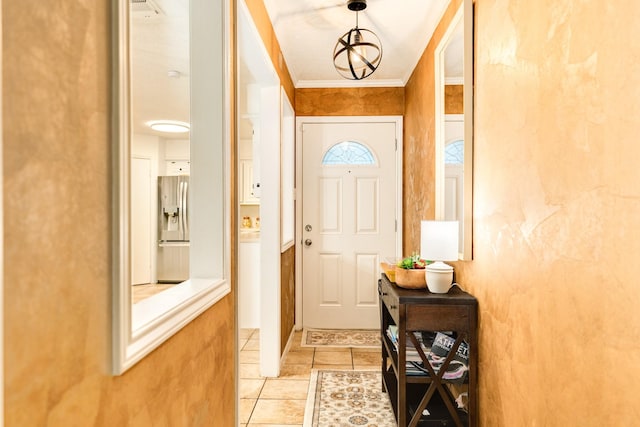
x=436, y=352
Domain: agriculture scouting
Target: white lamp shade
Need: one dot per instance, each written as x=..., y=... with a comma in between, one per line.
x=439, y=240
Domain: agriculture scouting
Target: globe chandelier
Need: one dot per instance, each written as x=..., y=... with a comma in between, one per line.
x=359, y=51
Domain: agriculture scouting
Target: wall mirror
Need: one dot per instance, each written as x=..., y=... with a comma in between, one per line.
x=454, y=126
x=171, y=224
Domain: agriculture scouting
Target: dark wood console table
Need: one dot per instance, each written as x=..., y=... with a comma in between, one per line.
x=418, y=311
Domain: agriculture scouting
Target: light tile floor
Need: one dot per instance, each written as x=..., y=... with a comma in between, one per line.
x=281, y=401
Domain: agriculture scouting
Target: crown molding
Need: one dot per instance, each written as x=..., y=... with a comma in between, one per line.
x=300, y=84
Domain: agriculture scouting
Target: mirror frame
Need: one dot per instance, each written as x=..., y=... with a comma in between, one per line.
x=464, y=15
x=139, y=329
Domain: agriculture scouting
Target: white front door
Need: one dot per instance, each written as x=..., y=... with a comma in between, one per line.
x=348, y=220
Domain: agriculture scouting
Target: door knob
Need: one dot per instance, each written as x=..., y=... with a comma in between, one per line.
x=307, y=242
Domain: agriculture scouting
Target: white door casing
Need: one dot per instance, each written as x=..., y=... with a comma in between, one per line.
x=348, y=221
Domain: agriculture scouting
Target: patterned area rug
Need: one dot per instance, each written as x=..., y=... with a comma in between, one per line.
x=347, y=398
x=341, y=338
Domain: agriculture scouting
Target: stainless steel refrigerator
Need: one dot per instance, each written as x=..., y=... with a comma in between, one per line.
x=173, y=229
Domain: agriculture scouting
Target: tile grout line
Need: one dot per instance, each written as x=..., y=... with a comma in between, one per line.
x=257, y=400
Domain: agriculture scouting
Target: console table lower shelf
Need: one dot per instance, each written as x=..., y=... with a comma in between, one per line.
x=438, y=415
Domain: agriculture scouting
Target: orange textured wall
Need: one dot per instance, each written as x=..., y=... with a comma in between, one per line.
x=453, y=99
x=419, y=135
x=57, y=265
x=556, y=208
x=288, y=292
x=362, y=101
x=268, y=35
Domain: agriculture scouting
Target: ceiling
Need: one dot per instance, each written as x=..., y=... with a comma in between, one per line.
x=159, y=45
x=307, y=31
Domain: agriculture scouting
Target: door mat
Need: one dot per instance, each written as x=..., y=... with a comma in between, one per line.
x=347, y=398
x=362, y=338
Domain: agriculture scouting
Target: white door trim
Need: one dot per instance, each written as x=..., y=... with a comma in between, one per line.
x=270, y=321
x=300, y=121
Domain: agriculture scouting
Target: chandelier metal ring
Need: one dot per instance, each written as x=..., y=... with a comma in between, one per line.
x=353, y=57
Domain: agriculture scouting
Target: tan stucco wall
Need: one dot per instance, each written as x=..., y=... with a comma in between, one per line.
x=57, y=244
x=556, y=208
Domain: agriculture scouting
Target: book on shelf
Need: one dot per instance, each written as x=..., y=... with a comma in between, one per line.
x=392, y=333
x=436, y=354
x=411, y=352
x=459, y=365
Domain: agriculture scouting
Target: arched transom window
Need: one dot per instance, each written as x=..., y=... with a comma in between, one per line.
x=454, y=152
x=348, y=153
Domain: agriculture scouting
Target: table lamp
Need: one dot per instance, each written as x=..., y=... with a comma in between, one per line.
x=438, y=243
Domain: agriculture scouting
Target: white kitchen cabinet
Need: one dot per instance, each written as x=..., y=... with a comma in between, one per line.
x=246, y=183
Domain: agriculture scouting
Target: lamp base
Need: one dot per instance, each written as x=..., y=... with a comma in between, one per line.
x=439, y=277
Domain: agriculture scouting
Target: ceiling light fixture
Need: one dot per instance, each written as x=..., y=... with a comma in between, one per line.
x=170, y=126
x=359, y=51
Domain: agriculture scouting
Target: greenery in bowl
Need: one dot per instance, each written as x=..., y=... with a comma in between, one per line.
x=413, y=262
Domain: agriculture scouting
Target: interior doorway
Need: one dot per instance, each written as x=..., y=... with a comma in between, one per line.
x=259, y=137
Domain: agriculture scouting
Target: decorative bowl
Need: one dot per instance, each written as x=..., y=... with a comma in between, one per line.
x=410, y=278
x=390, y=270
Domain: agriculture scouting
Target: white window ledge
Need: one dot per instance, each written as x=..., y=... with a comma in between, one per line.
x=158, y=317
